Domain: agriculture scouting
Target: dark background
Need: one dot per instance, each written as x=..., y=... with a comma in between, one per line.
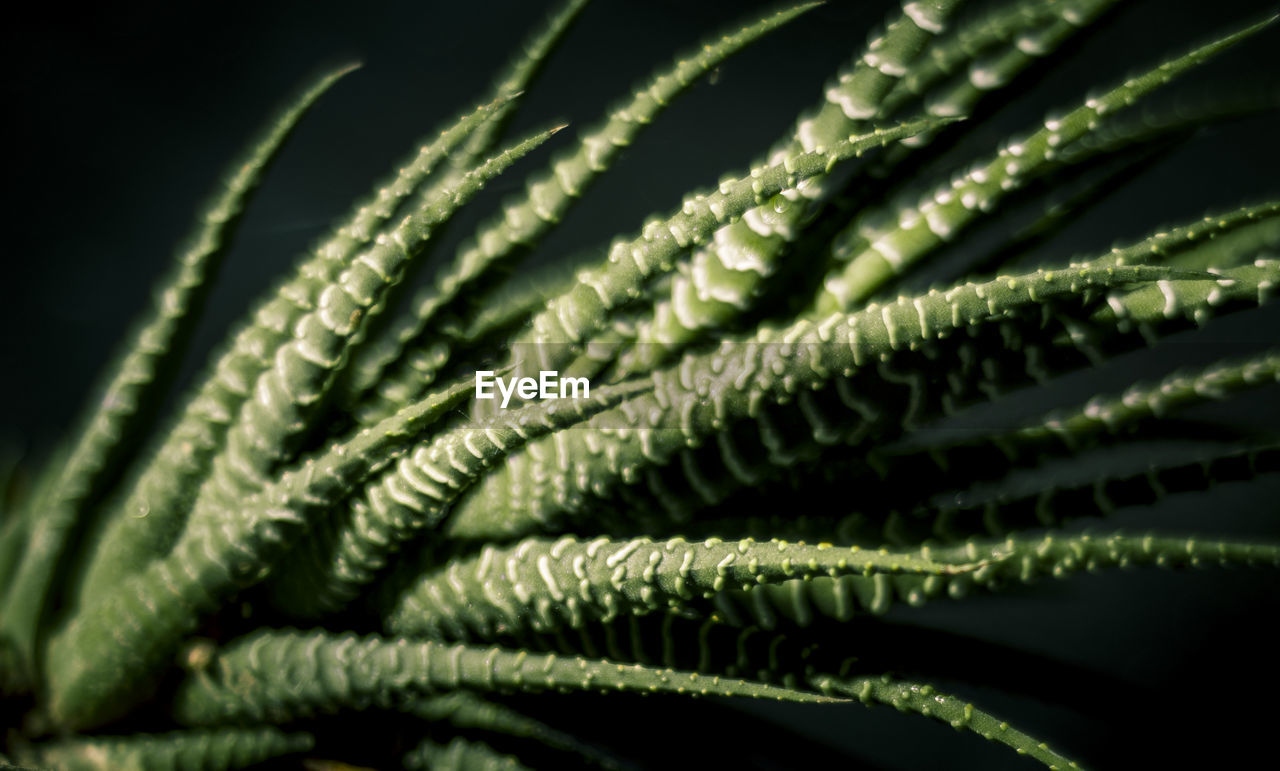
x=120, y=121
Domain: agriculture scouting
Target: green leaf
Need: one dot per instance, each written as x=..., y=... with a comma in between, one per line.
x=924, y=699
x=545, y=584
x=212, y=749
x=154, y=513
x=1017, y=559
x=124, y=408
x=289, y=674
x=468, y=711
x=522, y=69
x=727, y=276
x=109, y=652
x=705, y=393
x=874, y=257
x=270, y=426
x=573, y=317
x=550, y=194
x=346, y=552
x=459, y=755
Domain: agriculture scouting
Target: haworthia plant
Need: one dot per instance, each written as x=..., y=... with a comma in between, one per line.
x=926, y=700
x=849, y=385
x=193, y=750
x=459, y=754
x=726, y=275
x=712, y=392
x=573, y=317
x=551, y=193
x=606, y=578
x=415, y=495
x=468, y=710
x=122, y=409
x=522, y=589
x=1008, y=561
x=137, y=534
x=874, y=257
x=254, y=678
x=1129, y=417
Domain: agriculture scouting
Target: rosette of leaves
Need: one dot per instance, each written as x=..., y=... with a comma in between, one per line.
x=911, y=327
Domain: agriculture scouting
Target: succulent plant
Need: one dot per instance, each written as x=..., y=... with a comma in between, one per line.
x=830, y=410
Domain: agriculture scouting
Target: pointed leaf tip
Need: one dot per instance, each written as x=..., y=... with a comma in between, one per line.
x=348, y=68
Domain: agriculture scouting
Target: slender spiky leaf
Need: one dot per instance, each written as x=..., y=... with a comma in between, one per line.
x=117, y=416
x=93, y=678
x=459, y=755
x=1065, y=432
x=728, y=274
x=415, y=495
x=551, y=193
x=272, y=424
x=544, y=584
x=1020, y=559
x=155, y=511
x=468, y=711
x=926, y=700
x=212, y=749
x=706, y=392
x=577, y=314
x=874, y=258
x=505, y=309
x=251, y=679
x=515, y=78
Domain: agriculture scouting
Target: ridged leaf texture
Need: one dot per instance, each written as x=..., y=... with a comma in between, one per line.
x=842, y=413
